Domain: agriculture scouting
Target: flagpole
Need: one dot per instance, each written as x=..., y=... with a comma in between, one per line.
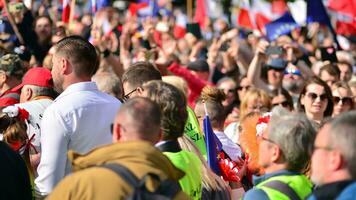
x=190, y=10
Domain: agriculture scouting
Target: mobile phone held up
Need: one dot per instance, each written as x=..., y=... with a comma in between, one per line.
x=328, y=53
x=274, y=50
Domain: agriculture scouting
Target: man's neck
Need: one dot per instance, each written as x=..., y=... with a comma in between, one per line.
x=74, y=81
x=275, y=167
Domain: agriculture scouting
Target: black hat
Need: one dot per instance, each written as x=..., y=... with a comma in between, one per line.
x=199, y=66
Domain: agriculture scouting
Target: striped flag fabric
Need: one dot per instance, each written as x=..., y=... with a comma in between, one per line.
x=66, y=10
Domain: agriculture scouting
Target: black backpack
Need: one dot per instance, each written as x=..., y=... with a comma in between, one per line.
x=166, y=190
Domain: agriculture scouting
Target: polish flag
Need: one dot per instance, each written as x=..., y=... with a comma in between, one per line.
x=179, y=29
x=345, y=13
x=201, y=13
x=256, y=14
x=66, y=11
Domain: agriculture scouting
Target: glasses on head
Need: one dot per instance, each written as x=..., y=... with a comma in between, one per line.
x=127, y=96
x=243, y=87
x=313, y=96
x=344, y=100
x=293, y=72
x=283, y=104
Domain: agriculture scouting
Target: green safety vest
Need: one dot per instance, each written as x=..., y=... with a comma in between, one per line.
x=191, y=183
x=192, y=129
x=299, y=183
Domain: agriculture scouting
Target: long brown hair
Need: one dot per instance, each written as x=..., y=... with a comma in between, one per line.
x=14, y=133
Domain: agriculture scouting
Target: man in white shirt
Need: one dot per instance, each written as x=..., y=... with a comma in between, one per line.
x=36, y=94
x=79, y=118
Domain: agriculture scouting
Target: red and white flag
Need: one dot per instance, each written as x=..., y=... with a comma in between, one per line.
x=66, y=11
x=345, y=12
x=256, y=14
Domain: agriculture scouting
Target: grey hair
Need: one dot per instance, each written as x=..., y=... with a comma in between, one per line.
x=109, y=83
x=343, y=137
x=294, y=134
x=41, y=91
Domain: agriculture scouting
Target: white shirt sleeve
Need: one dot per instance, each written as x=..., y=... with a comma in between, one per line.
x=54, y=141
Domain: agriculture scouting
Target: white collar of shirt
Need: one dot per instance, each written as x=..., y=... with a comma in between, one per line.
x=81, y=86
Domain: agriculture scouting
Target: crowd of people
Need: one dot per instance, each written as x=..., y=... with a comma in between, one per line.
x=90, y=107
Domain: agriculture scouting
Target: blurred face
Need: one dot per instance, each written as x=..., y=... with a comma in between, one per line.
x=256, y=105
x=315, y=100
x=345, y=72
x=199, y=113
x=58, y=79
x=353, y=89
x=320, y=158
x=230, y=91
x=342, y=101
x=265, y=151
x=282, y=101
x=243, y=88
x=292, y=79
x=329, y=79
x=43, y=28
x=275, y=77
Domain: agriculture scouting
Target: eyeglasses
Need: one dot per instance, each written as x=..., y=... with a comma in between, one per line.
x=260, y=108
x=293, y=72
x=127, y=96
x=313, y=96
x=233, y=90
x=243, y=87
x=261, y=137
x=283, y=104
x=344, y=100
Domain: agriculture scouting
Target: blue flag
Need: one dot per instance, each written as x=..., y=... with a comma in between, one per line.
x=316, y=12
x=281, y=26
x=213, y=146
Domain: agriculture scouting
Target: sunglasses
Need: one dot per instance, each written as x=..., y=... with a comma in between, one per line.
x=283, y=104
x=344, y=100
x=243, y=87
x=293, y=72
x=313, y=96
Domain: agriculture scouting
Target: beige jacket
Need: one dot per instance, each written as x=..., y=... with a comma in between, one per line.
x=91, y=182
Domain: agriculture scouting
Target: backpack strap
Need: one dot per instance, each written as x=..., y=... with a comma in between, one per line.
x=167, y=187
x=124, y=173
x=283, y=188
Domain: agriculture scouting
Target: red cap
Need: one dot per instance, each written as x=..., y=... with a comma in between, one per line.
x=37, y=76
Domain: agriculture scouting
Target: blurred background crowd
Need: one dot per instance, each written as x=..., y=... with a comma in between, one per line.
x=232, y=59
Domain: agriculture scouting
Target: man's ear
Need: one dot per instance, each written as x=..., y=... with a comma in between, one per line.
x=116, y=135
x=277, y=153
x=139, y=91
x=29, y=94
x=66, y=67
